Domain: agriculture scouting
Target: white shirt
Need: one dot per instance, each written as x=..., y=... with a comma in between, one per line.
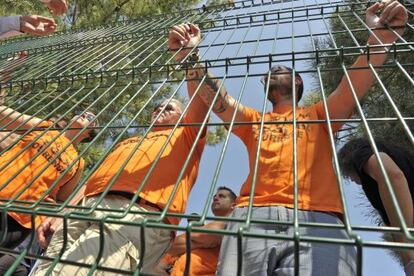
x=9, y=26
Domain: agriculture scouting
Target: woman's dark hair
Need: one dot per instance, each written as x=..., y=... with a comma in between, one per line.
x=346, y=155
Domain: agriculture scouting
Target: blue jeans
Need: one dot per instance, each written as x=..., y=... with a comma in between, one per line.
x=276, y=256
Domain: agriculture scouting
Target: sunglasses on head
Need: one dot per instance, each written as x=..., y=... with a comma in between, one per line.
x=274, y=71
x=88, y=116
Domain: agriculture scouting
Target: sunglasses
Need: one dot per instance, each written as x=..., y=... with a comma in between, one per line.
x=169, y=107
x=276, y=70
x=90, y=117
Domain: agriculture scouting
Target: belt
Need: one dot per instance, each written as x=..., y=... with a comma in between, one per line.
x=139, y=200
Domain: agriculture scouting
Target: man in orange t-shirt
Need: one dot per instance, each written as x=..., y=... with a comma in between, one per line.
x=148, y=173
x=43, y=165
x=205, y=248
x=143, y=174
x=272, y=182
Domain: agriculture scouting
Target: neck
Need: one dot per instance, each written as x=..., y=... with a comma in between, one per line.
x=282, y=106
x=70, y=135
x=160, y=128
x=222, y=214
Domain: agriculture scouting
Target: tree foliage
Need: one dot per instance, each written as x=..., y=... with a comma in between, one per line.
x=376, y=104
x=73, y=93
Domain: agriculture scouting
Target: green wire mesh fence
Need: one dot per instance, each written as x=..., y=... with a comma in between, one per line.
x=122, y=71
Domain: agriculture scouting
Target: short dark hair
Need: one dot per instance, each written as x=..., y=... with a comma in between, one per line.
x=346, y=155
x=232, y=194
x=300, y=87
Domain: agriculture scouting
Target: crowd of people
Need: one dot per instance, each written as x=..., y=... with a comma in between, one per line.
x=153, y=173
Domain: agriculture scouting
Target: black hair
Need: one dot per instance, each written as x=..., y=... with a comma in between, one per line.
x=346, y=155
x=232, y=194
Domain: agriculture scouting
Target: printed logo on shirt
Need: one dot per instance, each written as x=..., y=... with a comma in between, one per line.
x=50, y=153
x=138, y=139
x=282, y=132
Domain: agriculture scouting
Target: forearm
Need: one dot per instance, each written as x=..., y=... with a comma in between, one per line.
x=403, y=196
x=361, y=75
x=78, y=197
x=179, y=246
x=208, y=240
x=7, y=138
x=14, y=119
x=208, y=89
x=8, y=117
x=56, y=221
x=211, y=91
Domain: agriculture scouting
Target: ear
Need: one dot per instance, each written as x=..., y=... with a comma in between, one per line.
x=298, y=81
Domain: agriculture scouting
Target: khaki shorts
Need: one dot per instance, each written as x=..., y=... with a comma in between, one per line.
x=122, y=243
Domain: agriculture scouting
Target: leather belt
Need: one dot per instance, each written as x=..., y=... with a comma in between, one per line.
x=139, y=200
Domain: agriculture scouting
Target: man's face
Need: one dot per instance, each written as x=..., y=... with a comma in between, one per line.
x=83, y=120
x=170, y=115
x=280, y=78
x=280, y=82
x=223, y=204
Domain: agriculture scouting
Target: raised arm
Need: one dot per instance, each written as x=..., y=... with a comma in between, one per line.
x=30, y=24
x=189, y=36
x=341, y=102
x=14, y=119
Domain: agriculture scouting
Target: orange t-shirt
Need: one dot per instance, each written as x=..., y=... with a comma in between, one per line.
x=317, y=184
x=203, y=262
x=159, y=186
x=31, y=169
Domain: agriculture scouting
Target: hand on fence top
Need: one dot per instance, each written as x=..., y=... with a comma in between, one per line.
x=187, y=36
x=56, y=7
x=393, y=13
x=37, y=25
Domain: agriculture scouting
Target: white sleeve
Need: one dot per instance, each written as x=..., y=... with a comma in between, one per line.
x=9, y=23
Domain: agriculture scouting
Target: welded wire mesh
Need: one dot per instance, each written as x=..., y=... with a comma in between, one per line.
x=122, y=71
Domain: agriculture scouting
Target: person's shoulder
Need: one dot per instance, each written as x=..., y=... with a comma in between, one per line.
x=251, y=111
